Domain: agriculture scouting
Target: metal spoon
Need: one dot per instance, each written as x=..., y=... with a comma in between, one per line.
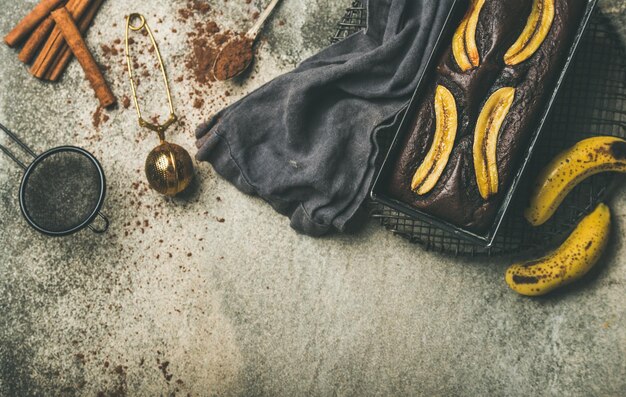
x=242, y=46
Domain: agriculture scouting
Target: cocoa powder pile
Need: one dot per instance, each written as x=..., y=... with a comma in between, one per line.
x=208, y=41
x=234, y=58
x=205, y=39
x=205, y=43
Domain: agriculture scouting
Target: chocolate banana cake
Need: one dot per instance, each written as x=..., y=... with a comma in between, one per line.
x=474, y=122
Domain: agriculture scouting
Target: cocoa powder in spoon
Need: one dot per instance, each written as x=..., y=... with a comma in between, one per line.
x=234, y=58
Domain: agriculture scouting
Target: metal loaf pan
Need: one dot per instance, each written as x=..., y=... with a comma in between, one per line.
x=378, y=192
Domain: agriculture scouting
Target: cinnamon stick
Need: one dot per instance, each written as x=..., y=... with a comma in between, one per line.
x=36, y=40
x=30, y=21
x=63, y=59
x=55, y=42
x=75, y=41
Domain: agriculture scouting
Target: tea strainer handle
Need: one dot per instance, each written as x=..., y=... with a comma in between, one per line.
x=21, y=144
x=104, y=227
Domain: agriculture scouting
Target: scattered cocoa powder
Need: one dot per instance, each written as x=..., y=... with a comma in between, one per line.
x=95, y=118
x=110, y=50
x=201, y=7
x=207, y=41
x=166, y=374
x=126, y=101
x=211, y=27
x=99, y=117
x=201, y=60
x=185, y=13
x=198, y=103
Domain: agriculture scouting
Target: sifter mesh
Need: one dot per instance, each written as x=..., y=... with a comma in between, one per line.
x=61, y=190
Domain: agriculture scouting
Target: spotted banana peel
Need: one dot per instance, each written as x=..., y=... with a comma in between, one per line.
x=569, y=262
x=569, y=168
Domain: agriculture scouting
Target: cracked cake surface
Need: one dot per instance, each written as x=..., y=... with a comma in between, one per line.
x=456, y=197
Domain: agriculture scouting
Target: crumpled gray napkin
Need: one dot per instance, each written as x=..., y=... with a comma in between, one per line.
x=304, y=142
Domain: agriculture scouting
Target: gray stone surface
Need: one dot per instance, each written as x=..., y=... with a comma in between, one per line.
x=246, y=306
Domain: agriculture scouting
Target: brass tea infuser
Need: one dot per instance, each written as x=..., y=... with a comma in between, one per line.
x=169, y=168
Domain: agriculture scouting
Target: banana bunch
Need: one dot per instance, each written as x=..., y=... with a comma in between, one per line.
x=585, y=245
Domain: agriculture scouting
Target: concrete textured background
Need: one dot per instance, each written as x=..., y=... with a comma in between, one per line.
x=204, y=296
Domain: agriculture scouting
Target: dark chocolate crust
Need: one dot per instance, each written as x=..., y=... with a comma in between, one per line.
x=455, y=198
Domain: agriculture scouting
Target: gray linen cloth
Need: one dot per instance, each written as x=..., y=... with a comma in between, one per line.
x=304, y=142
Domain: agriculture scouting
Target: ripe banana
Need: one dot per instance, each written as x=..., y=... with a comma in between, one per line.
x=537, y=27
x=572, y=260
x=429, y=172
x=486, y=140
x=588, y=157
x=464, y=46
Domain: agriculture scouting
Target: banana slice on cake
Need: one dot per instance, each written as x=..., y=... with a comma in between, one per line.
x=464, y=46
x=486, y=140
x=535, y=32
x=429, y=172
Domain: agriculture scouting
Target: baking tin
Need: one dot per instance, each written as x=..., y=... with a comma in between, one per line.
x=378, y=192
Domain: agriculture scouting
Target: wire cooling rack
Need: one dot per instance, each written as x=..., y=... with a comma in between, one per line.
x=354, y=20
x=592, y=101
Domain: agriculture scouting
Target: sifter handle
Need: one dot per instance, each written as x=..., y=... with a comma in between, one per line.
x=17, y=140
x=105, y=226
